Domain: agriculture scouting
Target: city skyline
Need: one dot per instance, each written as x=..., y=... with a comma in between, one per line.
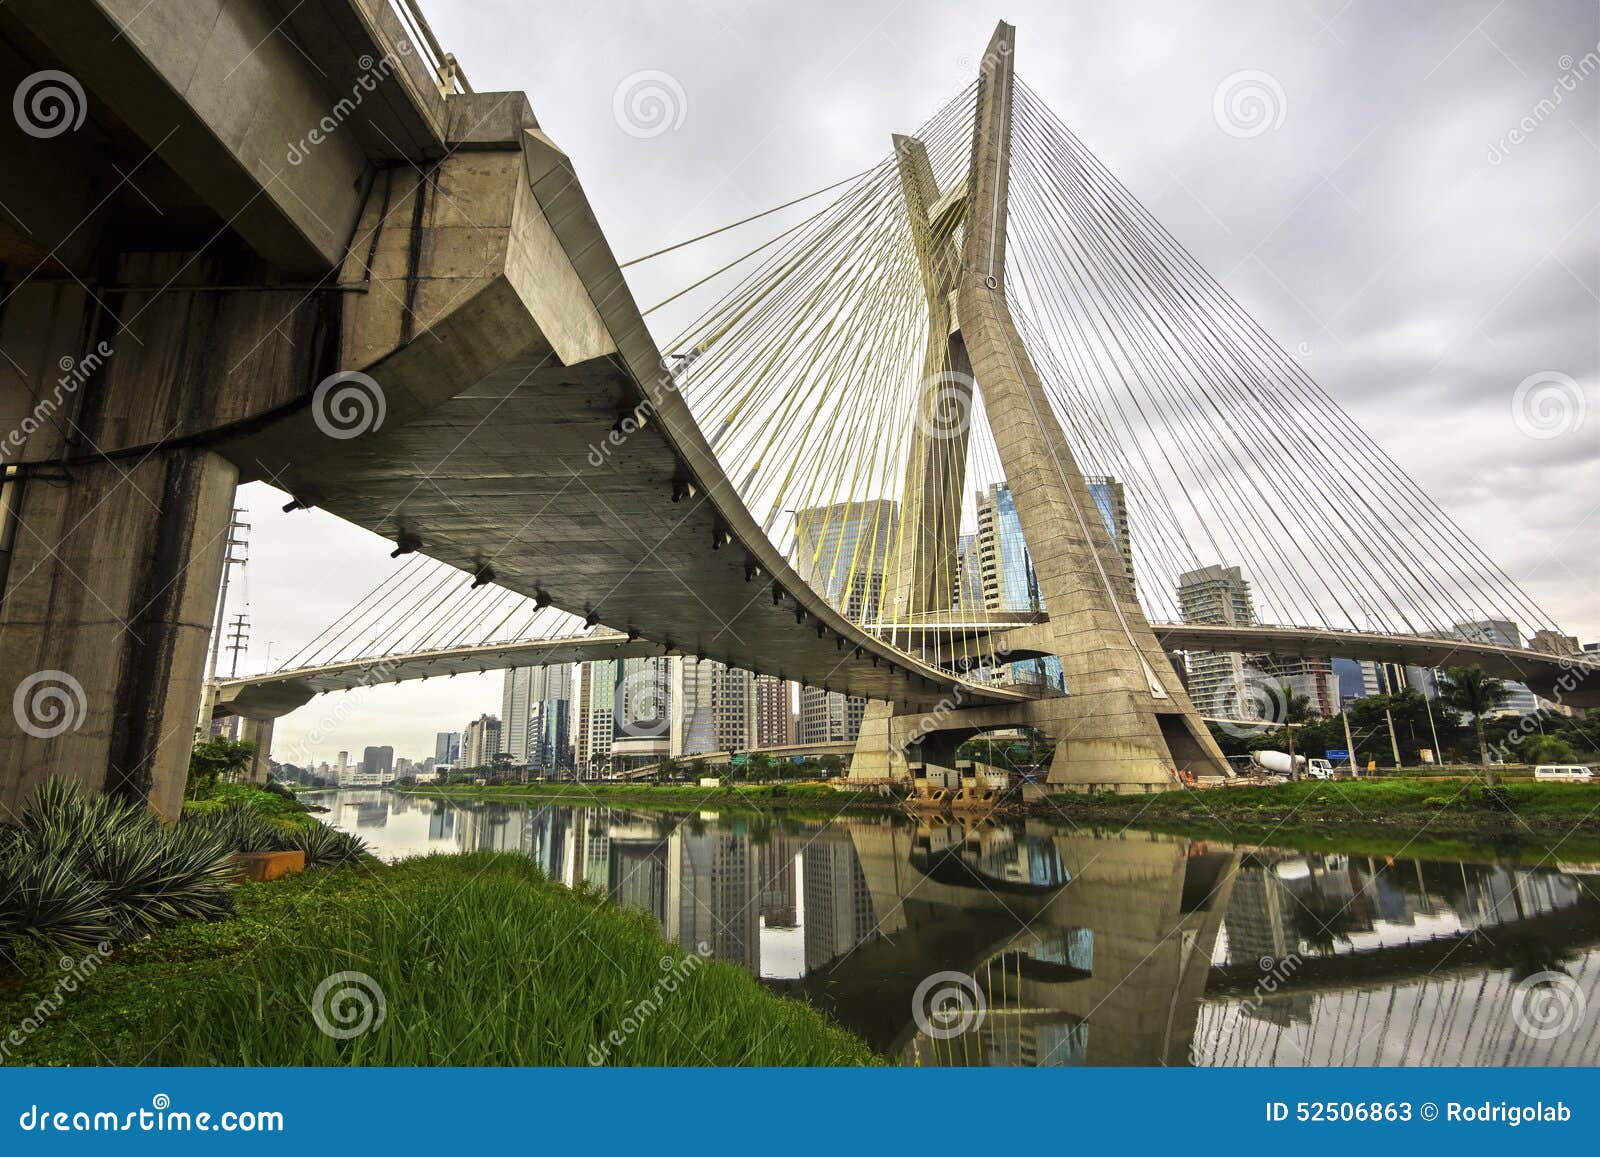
x=1384, y=336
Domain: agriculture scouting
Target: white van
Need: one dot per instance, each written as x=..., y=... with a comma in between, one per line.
x=1569, y=773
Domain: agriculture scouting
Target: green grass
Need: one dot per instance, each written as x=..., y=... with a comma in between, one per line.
x=1444, y=817
x=271, y=806
x=480, y=959
x=756, y=797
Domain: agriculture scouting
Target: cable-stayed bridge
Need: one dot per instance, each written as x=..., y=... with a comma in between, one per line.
x=386, y=638
x=923, y=366
x=828, y=474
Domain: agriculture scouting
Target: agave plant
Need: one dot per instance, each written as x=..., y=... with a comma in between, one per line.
x=47, y=900
x=327, y=847
x=240, y=828
x=156, y=876
x=79, y=870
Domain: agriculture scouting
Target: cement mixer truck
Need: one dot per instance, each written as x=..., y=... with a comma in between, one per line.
x=1296, y=767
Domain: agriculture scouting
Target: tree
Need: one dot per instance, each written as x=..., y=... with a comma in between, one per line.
x=1476, y=692
x=1546, y=749
x=214, y=759
x=1296, y=707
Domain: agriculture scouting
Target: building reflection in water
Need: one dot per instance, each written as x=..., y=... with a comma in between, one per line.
x=1082, y=949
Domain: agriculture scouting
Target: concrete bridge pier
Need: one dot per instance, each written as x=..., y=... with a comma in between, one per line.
x=105, y=661
x=258, y=732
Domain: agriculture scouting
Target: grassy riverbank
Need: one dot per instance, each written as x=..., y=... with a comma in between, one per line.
x=479, y=960
x=1429, y=818
x=279, y=809
x=750, y=797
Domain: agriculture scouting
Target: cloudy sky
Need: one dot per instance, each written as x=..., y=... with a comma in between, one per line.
x=1415, y=216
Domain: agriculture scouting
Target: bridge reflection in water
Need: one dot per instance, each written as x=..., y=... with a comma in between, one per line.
x=1077, y=948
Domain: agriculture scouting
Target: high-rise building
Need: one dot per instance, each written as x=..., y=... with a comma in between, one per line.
x=642, y=712
x=1554, y=643
x=1218, y=595
x=1112, y=501
x=596, y=714
x=733, y=708
x=536, y=712
x=713, y=708
x=829, y=716
x=693, y=727
x=549, y=743
x=516, y=707
x=969, y=575
x=1311, y=676
x=1502, y=633
x=1007, y=579
x=1005, y=569
x=378, y=760
x=447, y=747
x=843, y=552
x=774, y=712
x=480, y=742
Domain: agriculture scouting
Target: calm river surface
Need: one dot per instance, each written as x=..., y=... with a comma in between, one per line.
x=1030, y=943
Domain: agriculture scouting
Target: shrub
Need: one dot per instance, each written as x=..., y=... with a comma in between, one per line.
x=244, y=829
x=327, y=847
x=80, y=870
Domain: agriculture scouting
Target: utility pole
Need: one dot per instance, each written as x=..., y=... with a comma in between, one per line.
x=1394, y=743
x=1349, y=743
x=238, y=640
x=1438, y=752
x=236, y=552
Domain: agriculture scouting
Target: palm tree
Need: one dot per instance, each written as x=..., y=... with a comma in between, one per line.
x=1472, y=690
x=1296, y=707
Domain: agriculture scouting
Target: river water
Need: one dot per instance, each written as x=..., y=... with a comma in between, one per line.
x=1034, y=943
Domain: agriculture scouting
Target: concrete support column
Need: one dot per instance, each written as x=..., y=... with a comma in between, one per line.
x=1126, y=722
x=924, y=581
x=258, y=732
x=109, y=589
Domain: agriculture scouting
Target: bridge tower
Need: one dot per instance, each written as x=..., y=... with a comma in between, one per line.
x=1126, y=722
